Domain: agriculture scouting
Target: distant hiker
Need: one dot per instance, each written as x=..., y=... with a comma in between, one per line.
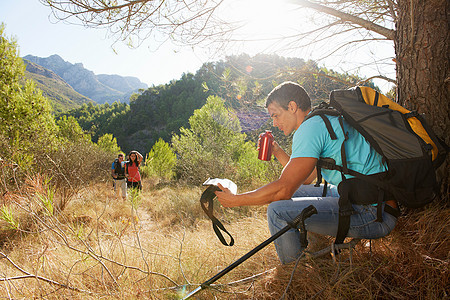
x=132, y=170
x=118, y=174
x=288, y=105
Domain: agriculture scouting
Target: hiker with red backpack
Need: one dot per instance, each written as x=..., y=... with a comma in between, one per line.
x=365, y=164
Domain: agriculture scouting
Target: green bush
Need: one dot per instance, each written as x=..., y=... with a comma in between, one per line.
x=27, y=126
x=108, y=143
x=160, y=161
x=69, y=129
x=215, y=147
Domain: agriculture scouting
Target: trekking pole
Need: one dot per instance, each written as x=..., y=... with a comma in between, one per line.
x=306, y=213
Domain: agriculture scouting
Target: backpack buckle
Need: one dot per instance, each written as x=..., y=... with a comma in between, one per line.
x=412, y=114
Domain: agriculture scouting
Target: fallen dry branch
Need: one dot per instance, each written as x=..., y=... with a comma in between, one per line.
x=29, y=275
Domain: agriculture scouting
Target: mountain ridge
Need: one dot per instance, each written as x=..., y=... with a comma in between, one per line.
x=61, y=95
x=102, y=88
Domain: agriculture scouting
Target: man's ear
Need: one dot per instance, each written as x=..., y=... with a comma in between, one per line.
x=292, y=106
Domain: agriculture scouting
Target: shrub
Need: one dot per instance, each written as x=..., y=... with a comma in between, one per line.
x=27, y=126
x=160, y=161
x=69, y=129
x=108, y=143
x=214, y=147
x=73, y=166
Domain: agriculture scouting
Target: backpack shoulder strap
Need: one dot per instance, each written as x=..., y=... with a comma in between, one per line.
x=321, y=110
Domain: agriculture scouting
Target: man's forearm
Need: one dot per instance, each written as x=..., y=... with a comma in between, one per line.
x=293, y=175
x=264, y=195
x=281, y=155
x=311, y=177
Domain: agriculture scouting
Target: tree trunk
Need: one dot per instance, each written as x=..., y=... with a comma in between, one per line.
x=423, y=66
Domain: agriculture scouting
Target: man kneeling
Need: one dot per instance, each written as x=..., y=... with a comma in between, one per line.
x=288, y=105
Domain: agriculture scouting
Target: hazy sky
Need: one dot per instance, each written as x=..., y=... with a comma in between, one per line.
x=28, y=21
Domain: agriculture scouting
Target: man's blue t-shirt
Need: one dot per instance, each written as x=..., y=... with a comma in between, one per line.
x=312, y=139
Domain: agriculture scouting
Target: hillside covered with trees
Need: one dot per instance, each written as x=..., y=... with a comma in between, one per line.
x=241, y=81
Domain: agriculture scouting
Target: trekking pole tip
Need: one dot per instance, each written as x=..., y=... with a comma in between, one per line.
x=192, y=293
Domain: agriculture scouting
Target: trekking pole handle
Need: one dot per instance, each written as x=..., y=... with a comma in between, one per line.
x=305, y=214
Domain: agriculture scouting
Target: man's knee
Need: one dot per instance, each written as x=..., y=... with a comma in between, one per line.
x=272, y=209
x=275, y=210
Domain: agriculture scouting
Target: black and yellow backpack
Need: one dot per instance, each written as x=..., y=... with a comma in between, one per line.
x=407, y=144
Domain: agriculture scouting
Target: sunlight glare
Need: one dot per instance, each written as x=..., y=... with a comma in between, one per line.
x=279, y=27
x=263, y=19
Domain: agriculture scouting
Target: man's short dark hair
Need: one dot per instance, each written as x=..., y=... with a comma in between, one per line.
x=289, y=91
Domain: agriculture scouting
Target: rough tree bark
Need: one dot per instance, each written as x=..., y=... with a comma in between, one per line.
x=423, y=66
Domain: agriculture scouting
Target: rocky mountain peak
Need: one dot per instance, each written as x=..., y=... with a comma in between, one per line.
x=100, y=88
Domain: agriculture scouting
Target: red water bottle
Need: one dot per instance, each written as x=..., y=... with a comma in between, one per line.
x=265, y=145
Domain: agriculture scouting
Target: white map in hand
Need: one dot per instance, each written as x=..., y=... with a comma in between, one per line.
x=226, y=183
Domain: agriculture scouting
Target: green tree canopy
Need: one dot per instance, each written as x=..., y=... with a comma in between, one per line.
x=160, y=161
x=26, y=123
x=70, y=129
x=213, y=146
x=108, y=143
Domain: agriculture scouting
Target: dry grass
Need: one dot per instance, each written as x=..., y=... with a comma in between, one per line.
x=100, y=247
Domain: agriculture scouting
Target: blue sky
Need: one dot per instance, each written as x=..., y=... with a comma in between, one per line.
x=28, y=21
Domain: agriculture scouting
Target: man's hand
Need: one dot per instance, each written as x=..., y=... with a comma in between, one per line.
x=225, y=197
x=277, y=151
x=280, y=154
x=275, y=146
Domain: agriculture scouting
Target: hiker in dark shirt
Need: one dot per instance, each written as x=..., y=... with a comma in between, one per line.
x=118, y=174
x=288, y=105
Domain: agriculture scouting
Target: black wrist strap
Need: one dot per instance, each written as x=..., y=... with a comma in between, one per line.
x=208, y=197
